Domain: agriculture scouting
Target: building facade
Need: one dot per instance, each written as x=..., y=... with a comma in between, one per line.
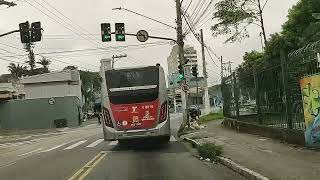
x=55, y=84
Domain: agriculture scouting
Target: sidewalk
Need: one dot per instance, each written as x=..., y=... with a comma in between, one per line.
x=271, y=158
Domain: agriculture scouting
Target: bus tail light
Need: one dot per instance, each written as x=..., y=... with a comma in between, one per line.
x=163, y=112
x=107, y=118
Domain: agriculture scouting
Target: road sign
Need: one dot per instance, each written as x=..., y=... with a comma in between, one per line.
x=142, y=36
x=51, y=101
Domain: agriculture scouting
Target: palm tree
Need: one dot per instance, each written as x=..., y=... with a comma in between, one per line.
x=16, y=70
x=45, y=63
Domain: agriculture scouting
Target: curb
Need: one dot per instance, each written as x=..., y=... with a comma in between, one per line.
x=248, y=173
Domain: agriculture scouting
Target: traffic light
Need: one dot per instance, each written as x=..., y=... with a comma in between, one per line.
x=120, y=32
x=24, y=32
x=105, y=32
x=181, y=72
x=36, y=33
x=195, y=71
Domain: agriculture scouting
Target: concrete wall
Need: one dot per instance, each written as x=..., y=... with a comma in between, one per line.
x=52, y=89
x=39, y=114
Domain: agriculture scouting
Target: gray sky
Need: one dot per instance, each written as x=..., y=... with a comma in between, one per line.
x=82, y=32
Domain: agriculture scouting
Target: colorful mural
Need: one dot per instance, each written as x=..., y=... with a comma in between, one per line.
x=310, y=88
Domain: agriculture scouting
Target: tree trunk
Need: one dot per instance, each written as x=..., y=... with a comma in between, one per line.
x=262, y=23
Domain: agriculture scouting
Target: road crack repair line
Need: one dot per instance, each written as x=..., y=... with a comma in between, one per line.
x=86, y=169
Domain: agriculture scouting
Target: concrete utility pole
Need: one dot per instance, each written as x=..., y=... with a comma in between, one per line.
x=181, y=50
x=206, y=90
x=116, y=57
x=7, y=3
x=184, y=97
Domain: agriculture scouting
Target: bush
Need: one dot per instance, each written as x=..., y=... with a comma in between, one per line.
x=211, y=117
x=209, y=150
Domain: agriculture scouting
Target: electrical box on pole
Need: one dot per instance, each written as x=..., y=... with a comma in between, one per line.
x=36, y=33
x=120, y=32
x=24, y=32
x=106, y=32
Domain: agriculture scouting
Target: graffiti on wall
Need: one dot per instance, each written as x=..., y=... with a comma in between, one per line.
x=310, y=88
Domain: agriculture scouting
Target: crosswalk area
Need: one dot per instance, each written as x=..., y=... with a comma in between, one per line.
x=77, y=144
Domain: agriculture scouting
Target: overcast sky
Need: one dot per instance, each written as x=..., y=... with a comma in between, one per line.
x=74, y=24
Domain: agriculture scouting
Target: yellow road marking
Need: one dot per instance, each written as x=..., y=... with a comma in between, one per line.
x=86, y=169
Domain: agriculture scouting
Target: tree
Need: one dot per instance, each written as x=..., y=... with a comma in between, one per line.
x=302, y=28
x=16, y=70
x=32, y=62
x=91, y=85
x=45, y=64
x=70, y=68
x=234, y=16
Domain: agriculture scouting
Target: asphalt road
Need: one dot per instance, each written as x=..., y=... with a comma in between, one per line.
x=82, y=154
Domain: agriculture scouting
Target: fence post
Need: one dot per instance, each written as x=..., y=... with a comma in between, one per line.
x=256, y=86
x=286, y=89
x=236, y=94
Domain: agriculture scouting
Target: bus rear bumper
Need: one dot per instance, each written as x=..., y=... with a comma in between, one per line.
x=163, y=129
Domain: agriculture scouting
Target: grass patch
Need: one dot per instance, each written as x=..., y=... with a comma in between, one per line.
x=209, y=150
x=211, y=117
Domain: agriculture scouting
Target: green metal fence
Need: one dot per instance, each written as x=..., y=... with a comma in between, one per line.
x=271, y=96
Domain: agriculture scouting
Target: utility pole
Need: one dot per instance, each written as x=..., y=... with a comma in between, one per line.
x=206, y=90
x=221, y=60
x=181, y=57
x=116, y=57
x=174, y=92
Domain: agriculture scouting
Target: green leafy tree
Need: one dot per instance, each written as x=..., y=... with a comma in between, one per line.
x=234, y=16
x=17, y=70
x=44, y=62
x=302, y=27
x=91, y=85
x=70, y=68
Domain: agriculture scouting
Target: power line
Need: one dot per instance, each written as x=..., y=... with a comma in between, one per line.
x=72, y=22
x=58, y=21
x=96, y=49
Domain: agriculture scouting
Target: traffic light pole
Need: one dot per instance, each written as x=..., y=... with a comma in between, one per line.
x=11, y=32
x=152, y=37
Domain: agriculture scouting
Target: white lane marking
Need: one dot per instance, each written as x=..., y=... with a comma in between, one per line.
x=113, y=143
x=53, y=148
x=39, y=149
x=95, y=143
x=173, y=139
x=75, y=145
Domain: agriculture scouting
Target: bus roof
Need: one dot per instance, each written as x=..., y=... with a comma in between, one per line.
x=135, y=67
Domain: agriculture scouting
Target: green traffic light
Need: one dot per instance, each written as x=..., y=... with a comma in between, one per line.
x=107, y=37
x=181, y=76
x=120, y=37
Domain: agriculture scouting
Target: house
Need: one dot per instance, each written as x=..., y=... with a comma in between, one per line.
x=52, y=100
x=11, y=91
x=55, y=84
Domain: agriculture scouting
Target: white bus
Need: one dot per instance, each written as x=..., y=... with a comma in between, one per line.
x=135, y=104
